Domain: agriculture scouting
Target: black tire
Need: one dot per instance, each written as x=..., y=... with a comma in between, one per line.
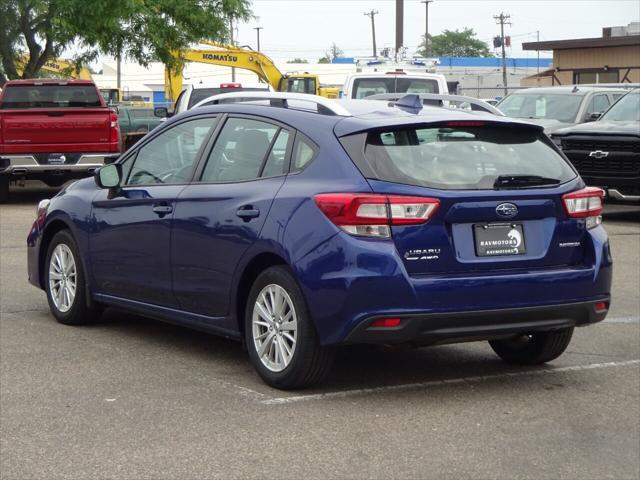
x=310, y=362
x=4, y=189
x=534, y=349
x=79, y=313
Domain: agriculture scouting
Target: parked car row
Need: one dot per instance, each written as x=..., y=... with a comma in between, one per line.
x=597, y=127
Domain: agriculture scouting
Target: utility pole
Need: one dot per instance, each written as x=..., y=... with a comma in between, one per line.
x=426, y=27
x=399, y=27
x=372, y=14
x=257, y=29
x=538, y=40
x=233, y=69
x=502, y=19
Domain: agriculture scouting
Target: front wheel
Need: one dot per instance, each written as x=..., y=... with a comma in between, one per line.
x=280, y=336
x=65, y=282
x=533, y=349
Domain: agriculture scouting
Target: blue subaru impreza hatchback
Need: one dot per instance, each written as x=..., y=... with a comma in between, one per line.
x=296, y=224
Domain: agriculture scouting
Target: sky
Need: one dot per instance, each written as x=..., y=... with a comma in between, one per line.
x=307, y=28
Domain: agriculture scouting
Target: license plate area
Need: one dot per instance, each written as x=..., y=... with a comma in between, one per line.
x=56, y=158
x=499, y=239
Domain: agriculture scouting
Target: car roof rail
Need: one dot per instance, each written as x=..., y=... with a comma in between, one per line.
x=405, y=100
x=324, y=106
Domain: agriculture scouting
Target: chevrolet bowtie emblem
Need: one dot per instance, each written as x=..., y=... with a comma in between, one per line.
x=599, y=154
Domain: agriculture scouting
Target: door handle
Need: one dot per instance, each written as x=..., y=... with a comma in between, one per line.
x=247, y=213
x=162, y=209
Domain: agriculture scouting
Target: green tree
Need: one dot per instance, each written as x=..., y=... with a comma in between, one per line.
x=297, y=60
x=324, y=59
x=455, y=43
x=35, y=31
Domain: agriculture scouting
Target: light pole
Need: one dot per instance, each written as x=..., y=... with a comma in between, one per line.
x=257, y=29
x=426, y=27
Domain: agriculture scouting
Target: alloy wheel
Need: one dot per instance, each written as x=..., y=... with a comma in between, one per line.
x=63, y=278
x=275, y=327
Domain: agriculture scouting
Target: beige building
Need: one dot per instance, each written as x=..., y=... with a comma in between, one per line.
x=612, y=58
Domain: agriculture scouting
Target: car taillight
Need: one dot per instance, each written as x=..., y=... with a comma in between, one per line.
x=586, y=203
x=386, y=323
x=114, y=128
x=371, y=215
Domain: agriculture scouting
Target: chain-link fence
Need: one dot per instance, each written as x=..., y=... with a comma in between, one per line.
x=487, y=92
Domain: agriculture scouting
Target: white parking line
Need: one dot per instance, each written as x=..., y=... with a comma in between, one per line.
x=622, y=320
x=435, y=383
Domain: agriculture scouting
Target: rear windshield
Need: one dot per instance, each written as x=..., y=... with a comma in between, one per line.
x=555, y=106
x=461, y=158
x=50, y=96
x=199, y=94
x=365, y=87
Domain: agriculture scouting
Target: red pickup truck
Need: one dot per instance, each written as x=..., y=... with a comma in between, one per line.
x=53, y=131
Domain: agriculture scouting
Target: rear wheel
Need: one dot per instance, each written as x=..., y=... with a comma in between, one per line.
x=64, y=281
x=533, y=349
x=281, y=339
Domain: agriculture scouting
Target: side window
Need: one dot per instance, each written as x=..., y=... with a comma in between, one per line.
x=599, y=103
x=240, y=151
x=303, y=152
x=275, y=161
x=169, y=157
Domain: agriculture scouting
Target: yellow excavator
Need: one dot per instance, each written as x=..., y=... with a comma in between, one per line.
x=246, y=59
x=69, y=69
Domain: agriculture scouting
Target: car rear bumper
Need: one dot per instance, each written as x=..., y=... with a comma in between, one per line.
x=361, y=281
x=451, y=327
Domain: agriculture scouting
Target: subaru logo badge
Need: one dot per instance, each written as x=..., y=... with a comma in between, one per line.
x=507, y=210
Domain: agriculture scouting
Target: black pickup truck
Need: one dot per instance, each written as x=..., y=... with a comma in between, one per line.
x=606, y=152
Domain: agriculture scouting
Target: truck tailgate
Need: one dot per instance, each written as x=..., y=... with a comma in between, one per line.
x=69, y=129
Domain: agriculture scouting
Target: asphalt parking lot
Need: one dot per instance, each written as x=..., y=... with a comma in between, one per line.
x=134, y=398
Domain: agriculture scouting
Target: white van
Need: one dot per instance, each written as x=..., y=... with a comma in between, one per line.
x=362, y=85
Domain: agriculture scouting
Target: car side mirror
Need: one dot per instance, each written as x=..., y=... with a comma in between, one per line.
x=108, y=176
x=161, y=112
x=594, y=116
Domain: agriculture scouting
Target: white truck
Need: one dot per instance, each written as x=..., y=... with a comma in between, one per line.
x=362, y=85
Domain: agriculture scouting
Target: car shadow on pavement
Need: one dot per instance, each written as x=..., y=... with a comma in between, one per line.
x=618, y=212
x=355, y=367
x=31, y=194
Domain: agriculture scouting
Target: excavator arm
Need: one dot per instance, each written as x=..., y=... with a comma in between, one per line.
x=227, y=56
x=62, y=67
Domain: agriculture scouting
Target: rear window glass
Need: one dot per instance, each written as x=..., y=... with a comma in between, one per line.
x=50, y=96
x=199, y=94
x=365, y=87
x=462, y=157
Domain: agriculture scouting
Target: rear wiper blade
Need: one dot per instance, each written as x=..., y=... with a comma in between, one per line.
x=519, y=181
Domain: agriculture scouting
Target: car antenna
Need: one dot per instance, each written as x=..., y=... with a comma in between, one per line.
x=575, y=89
x=410, y=102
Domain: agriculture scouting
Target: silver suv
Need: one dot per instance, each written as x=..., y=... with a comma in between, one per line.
x=559, y=107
